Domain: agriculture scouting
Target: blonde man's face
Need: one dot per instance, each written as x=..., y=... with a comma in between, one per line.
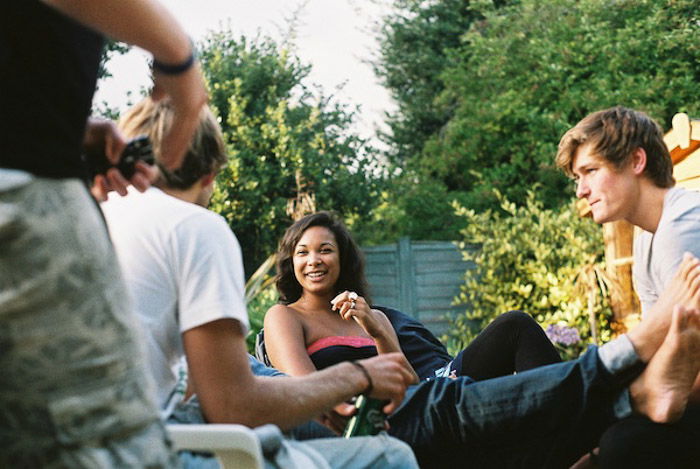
x=612, y=193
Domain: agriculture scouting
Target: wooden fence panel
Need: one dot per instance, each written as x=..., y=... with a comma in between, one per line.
x=420, y=278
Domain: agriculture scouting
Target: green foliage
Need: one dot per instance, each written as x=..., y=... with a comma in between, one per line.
x=260, y=295
x=485, y=89
x=532, y=259
x=410, y=207
x=528, y=72
x=110, y=49
x=282, y=139
x=414, y=40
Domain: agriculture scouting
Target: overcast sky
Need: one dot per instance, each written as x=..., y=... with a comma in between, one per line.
x=333, y=37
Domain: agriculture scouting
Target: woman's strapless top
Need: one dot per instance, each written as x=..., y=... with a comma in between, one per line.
x=329, y=351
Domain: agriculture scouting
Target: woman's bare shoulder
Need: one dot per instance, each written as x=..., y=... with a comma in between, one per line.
x=281, y=313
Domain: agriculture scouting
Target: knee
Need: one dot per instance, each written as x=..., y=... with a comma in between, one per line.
x=517, y=319
x=397, y=454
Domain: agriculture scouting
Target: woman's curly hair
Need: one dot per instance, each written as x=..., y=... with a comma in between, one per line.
x=352, y=263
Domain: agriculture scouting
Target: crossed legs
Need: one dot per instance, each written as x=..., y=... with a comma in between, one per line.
x=548, y=416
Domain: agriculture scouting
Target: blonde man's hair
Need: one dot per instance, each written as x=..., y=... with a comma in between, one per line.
x=615, y=134
x=206, y=153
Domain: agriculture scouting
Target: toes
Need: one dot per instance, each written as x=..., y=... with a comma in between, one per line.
x=688, y=266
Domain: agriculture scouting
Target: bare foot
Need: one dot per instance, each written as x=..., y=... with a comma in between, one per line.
x=684, y=290
x=662, y=391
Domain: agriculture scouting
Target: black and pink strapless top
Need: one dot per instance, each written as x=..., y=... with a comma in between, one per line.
x=336, y=349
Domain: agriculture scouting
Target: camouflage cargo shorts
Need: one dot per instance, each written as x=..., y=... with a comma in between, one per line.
x=73, y=391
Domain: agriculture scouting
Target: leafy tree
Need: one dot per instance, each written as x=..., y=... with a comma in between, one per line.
x=546, y=262
x=282, y=139
x=110, y=49
x=528, y=72
x=485, y=110
x=414, y=40
x=419, y=209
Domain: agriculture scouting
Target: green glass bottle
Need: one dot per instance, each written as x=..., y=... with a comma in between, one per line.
x=369, y=418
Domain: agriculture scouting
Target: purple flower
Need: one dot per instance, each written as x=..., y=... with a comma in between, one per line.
x=563, y=335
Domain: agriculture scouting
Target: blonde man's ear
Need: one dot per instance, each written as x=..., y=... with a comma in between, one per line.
x=639, y=161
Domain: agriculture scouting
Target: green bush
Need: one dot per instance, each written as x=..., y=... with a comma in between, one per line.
x=257, y=307
x=260, y=295
x=282, y=138
x=546, y=262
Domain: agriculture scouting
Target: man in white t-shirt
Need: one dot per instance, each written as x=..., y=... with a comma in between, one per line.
x=622, y=167
x=183, y=268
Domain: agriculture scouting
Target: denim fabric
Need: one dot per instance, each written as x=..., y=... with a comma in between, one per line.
x=316, y=451
x=545, y=417
x=260, y=369
x=380, y=451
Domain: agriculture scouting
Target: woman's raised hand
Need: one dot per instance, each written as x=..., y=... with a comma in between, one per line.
x=374, y=322
x=352, y=306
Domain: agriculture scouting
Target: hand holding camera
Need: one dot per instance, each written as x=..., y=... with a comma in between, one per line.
x=112, y=163
x=138, y=149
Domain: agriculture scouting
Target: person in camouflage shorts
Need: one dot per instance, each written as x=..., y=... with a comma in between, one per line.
x=73, y=388
x=74, y=392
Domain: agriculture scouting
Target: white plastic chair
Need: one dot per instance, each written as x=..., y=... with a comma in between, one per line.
x=235, y=446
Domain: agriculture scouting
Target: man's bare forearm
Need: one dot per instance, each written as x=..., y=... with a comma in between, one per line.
x=290, y=401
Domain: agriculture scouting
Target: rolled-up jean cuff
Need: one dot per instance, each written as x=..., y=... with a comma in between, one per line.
x=618, y=356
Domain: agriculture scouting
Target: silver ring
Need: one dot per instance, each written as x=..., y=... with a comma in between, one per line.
x=352, y=296
x=352, y=305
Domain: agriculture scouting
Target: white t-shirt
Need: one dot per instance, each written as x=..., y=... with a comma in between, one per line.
x=658, y=255
x=183, y=268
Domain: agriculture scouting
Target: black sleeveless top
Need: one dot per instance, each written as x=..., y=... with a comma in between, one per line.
x=48, y=72
x=422, y=349
x=337, y=349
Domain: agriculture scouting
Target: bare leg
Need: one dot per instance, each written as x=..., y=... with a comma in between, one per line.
x=684, y=290
x=662, y=391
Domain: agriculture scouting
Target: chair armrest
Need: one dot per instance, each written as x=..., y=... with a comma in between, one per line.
x=233, y=445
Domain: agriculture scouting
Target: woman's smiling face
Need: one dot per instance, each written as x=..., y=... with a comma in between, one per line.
x=317, y=261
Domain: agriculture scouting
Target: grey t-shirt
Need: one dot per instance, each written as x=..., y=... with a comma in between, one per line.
x=658, y=255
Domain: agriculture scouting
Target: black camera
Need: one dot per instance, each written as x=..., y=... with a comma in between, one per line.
x=138, y=149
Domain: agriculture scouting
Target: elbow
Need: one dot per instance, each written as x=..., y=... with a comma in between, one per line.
x=231, y=412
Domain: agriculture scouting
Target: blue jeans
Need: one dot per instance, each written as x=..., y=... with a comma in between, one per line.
x=379, y=451
x=545, y=417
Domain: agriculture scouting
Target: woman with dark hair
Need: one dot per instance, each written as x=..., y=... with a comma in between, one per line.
x=325, y=316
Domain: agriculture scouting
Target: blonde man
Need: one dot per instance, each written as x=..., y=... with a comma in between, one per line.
x=622, y=167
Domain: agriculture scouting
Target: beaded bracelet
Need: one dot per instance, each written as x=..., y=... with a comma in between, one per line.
x=370, y=385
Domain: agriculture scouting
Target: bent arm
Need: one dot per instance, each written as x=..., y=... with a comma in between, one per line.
x=230, y=393
x=374, y=322
x=285, y=343
x=387, y=341
x=384, y=336
x=147, y=24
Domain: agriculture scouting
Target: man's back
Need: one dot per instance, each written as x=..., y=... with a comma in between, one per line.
x=658, y=255
x=183, y=268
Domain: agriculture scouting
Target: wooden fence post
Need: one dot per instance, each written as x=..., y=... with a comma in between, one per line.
x=619, y=236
